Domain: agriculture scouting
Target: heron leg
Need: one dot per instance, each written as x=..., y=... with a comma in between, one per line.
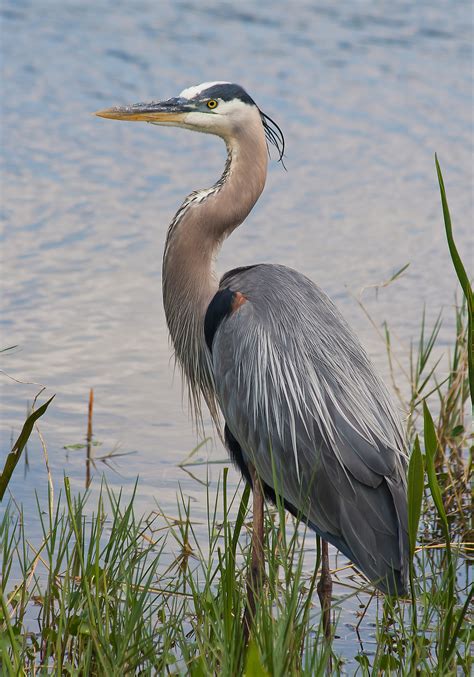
x=257, y=566
x=324, y=589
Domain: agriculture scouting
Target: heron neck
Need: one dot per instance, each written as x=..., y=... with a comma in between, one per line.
x=194, y=238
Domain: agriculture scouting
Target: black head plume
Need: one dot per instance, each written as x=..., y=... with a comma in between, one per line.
x=274, y=135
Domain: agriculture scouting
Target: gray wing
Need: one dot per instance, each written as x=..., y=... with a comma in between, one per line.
x=303, y=401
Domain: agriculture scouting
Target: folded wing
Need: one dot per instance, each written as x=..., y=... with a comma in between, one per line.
x=303, y=402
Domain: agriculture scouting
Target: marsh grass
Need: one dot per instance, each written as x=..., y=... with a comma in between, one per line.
x=106, y=593
x=102, y=591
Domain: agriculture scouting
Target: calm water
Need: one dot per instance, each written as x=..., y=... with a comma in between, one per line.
x=365, y=93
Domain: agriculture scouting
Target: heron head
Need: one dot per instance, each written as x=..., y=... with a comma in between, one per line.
x=219, y=108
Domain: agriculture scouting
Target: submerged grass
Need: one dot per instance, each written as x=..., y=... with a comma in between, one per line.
x=104, y=592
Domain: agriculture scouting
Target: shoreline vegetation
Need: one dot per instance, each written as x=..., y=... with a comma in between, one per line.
x=109, y=593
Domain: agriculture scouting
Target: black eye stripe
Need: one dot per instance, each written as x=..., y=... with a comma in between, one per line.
x=227, y=92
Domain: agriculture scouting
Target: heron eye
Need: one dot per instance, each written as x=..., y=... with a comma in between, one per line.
x=212, y=103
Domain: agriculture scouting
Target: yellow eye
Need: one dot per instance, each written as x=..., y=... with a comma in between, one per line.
x=212, y=103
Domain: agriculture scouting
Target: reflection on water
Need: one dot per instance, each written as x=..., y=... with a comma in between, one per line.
x=365, y=94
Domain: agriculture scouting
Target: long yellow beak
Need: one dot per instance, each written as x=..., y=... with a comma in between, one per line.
x=171, y=111
x=145, y=116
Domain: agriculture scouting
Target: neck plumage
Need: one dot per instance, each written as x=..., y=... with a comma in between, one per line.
x=194, y=238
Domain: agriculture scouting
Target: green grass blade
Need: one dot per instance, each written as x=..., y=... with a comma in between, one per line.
x=462, y=615
x=415, y=493
x=240, y=517
x=15, y=454
x=462, y=276
x=431, y=448
x=253, y=664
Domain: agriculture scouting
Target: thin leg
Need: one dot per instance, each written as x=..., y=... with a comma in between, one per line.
x=324, y=589
x=257, y=567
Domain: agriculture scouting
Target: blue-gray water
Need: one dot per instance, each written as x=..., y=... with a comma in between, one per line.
x=365, y=93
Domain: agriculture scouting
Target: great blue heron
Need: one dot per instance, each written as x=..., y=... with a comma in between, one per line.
x=305, y=412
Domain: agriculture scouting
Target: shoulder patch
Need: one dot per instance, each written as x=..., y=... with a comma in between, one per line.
x=238, y=300
x=224, y=303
